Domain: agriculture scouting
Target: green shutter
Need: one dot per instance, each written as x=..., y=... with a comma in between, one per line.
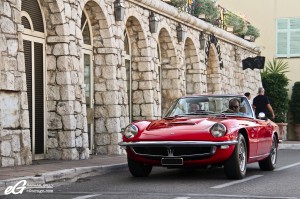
x=288, y=37
x=282, y=38
x=295, y=24
x=295, y=43
x=282, y=44
x=282, y=24
x=295, y=37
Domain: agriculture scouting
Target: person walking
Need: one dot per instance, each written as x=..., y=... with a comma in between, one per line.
x=244, y=103
x=248, y=95
x=261, y=103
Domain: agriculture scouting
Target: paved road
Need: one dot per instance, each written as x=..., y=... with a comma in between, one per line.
x=163, y=183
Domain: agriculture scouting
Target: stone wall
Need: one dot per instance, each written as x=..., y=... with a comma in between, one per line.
x=162, y=69
x=15, y=148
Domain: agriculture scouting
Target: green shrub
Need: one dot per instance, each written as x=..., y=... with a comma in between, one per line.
x=206, y=7
x=295, y=103
x=253, y=31
x=238, y=23
x=180, y=4
x=275, y=85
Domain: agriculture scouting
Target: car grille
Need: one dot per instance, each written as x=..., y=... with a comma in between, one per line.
x=174, y=151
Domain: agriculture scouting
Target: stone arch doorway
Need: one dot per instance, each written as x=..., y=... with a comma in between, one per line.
x=170, y=84
x=34, y=54
x=214, y=84
x=139, y=74
x=192, y=73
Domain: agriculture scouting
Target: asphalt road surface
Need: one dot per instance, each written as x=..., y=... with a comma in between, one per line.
x=164, y=183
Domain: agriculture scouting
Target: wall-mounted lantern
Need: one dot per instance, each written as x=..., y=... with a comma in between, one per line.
x=202, y=40
x=180, y=33
x=119, y=10
x=153, y=22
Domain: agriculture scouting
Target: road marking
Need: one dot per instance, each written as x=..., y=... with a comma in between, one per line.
x=87, y=196
x=287, y=167
x=235, y=182
x=175, y=195
x=182, y=198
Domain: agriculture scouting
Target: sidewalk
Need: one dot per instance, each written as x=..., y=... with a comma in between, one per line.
x=52, y=171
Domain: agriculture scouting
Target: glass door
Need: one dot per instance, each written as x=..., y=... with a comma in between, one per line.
x=89, y=95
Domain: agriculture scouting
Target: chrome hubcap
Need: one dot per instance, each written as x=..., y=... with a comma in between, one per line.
x=242, y=156
x=273, y=152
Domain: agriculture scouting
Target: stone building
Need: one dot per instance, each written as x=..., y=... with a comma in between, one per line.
x=72, y=74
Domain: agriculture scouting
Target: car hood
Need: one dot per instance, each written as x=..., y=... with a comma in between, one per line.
x=179, y=129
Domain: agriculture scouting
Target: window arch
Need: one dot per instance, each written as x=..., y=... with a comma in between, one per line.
x=85, y=29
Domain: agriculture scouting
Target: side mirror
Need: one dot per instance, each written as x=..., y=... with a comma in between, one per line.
x=261, y=116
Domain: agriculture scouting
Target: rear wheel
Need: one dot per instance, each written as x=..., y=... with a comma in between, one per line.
x=138, y=169
x=269, y=163
x=235, y=167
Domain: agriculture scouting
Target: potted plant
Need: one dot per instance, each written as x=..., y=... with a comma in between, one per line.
x=238, y=23
x=207, y=9
x=295, y=108
x=275, y=84
x=252, y=33
x=181, y=5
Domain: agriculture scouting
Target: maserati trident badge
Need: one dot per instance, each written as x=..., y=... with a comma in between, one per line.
x=170, y=152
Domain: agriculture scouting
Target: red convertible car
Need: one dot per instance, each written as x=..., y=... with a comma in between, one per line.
x=203, y=130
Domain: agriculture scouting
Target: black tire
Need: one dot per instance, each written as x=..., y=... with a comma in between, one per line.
x=138, y=169
x=269, y=164
x=235, y=167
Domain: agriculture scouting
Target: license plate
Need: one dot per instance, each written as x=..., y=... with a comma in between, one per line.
x=171, y=161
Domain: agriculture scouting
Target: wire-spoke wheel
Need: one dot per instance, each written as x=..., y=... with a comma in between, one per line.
x=235, y=167
x=269, y=163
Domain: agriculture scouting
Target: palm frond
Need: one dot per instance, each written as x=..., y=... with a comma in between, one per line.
x=278, y=66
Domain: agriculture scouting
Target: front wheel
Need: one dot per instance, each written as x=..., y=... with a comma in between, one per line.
x=269, y=163
x=138, y=169
x=235, y=167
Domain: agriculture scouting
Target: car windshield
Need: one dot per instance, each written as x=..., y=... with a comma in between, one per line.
x=211, y=105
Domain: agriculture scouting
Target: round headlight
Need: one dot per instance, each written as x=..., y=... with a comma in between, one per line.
x=218, y=130
x=130, y=131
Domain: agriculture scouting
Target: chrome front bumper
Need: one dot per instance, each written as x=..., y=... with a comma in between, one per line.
x=178, y=143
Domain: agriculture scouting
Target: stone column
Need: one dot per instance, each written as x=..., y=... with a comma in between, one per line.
x=67, y=123
x=15, y=146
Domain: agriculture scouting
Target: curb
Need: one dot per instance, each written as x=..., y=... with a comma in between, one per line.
x=289, y=146
x=65, y=175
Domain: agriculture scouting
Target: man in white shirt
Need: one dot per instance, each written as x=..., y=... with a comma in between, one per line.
x=248, y=95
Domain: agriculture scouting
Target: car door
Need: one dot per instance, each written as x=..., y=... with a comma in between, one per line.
x=252, y=128
x=264, y=136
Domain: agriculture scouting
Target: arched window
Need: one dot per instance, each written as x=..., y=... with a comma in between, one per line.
x=34, y=54
x=128, y=73
x=87, y=64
